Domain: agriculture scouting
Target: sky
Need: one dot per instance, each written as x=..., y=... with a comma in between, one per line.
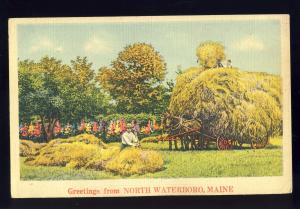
x=251, y=45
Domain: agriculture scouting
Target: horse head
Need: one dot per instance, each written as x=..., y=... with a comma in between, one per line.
x=170, y=122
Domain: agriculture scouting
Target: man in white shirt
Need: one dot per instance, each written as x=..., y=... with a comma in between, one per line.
x=129, y=138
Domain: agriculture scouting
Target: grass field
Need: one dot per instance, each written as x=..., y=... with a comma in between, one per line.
x=208, y=163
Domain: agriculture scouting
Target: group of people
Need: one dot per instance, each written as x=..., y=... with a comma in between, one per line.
x=33, y=130
x=116, y=128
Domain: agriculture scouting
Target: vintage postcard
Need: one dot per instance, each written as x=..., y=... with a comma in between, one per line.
x=150, y=106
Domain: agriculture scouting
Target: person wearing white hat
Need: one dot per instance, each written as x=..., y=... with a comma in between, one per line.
x=129, y=138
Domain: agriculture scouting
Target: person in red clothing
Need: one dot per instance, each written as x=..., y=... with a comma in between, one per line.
x=122, y=126
x=57, y=128
x=148, y=127
x=37, y=129
x=31, y=130
x=82, y=126
x=155, y=125
x=24, y=130
x=112, y=128
x=95, y=127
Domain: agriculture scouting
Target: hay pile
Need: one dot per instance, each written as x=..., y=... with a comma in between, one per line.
x=84, y=138
x=87, y=151
x=135, y=161
x=229, y=102
x=29, y=148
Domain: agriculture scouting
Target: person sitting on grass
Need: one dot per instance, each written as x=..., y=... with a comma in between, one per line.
x=129, y=138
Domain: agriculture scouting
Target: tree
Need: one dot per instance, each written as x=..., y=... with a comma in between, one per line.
x=38, y=91
x=210, y=54
x=86, y=99
x=54, y=91
x=135, y=78
x=167, y=93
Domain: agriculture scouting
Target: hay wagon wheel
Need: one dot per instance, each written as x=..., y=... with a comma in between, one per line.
x=259, y=143
x=223, y=144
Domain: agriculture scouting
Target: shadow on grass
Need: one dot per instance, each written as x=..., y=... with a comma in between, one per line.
x=271, y=146
x=157, y=147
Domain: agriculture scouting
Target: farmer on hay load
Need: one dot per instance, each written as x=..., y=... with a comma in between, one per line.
x=129, y=138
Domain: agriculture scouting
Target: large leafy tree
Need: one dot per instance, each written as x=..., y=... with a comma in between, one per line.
x=210, y=54
x=54, y=91
x=135, y=79
x=86, y=97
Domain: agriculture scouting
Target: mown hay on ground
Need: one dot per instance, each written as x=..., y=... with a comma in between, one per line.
x=29, y=148
x=75, y=155
x=230, y=102
x=84, y=138
x=87, y=151
x=135, y=161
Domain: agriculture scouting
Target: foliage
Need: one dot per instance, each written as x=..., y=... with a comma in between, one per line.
x=55, y=91
x=229, y=102
x=135, y=78
x=142, y=118
x=210, y=54
x=135, y=161
x=29, y=148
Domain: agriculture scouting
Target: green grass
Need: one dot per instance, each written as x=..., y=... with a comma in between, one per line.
x=221, y=163
x=59, y=173
x=208, y=163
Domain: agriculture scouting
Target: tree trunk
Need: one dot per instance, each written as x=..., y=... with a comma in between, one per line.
x=43, y=128
x=48, y=129
x=50, y=134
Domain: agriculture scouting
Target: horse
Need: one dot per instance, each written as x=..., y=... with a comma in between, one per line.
x=174, y=125
x=170, y=126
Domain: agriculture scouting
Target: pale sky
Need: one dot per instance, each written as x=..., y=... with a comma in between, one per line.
x=251, y=45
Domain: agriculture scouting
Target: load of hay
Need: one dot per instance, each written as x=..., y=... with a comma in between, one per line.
x=229, y=102
x=88, y=151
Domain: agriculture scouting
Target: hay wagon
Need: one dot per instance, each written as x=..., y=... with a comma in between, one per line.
x=199, y=140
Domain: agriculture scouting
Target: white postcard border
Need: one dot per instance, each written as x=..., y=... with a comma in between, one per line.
x=241, y=185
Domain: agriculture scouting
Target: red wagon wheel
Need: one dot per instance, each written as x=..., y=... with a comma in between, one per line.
x=223, y=144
